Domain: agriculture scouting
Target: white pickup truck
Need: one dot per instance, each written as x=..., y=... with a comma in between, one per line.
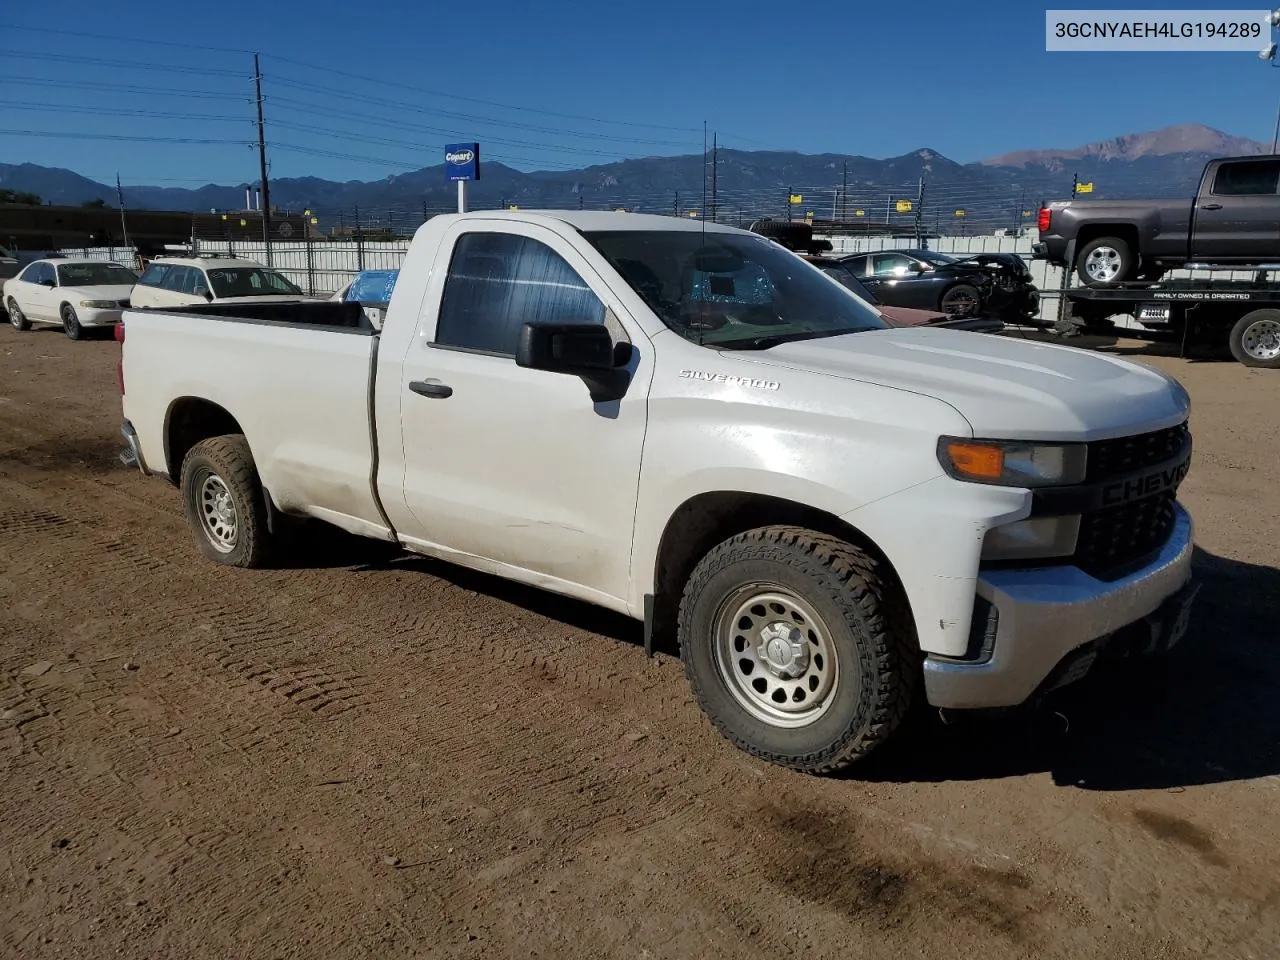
x=687, y=423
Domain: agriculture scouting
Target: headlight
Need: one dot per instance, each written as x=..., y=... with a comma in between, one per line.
x=1012, y=463
x=101, y=304
x=1036, y=538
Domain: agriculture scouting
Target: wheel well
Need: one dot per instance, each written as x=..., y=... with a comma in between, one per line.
x=703, y=521
x=189, y=421
x=1121, y=231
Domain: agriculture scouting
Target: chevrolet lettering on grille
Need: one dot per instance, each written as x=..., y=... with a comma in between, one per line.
x=1122, y=491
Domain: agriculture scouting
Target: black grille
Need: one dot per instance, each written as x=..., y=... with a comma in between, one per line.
x=1111, y=458
x=1115, y=541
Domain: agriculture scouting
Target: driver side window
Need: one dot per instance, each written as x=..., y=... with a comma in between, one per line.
x=890, y=265
x=498, y=282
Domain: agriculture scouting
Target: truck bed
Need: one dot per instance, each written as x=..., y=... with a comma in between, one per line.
x=295, y=379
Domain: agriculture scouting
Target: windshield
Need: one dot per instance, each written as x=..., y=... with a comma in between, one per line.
x=249, y=282
x=95, y=275
x=937, y=259
x=732, y=290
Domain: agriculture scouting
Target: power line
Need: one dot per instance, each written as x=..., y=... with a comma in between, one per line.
x=411, y=165
x=116, y=112
x=125, y=64
x=353, y=76
x=304, y=107
x=123, y=137
x=364, y=99
x=164, y=91
x=424, y=147
x=6, y=27
x=489, y=103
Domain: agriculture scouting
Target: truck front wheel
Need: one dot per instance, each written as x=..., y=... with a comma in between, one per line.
x=1255, y=339
x=1104, y=261
x=224, y=502
x=796, y=649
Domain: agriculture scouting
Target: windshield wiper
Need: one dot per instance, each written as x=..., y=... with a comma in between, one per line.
x=765, y=342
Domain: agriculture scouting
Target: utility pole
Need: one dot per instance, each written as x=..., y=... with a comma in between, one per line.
x=790, y=194
x=714, y=207
x=919, y=212
x=124, y=228
x=675, y=206
x=844, y=193
x=262, y=161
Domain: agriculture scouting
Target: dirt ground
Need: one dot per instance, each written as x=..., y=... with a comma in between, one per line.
x=378, y=755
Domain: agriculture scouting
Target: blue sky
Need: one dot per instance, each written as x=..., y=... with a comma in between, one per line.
x=533, y=81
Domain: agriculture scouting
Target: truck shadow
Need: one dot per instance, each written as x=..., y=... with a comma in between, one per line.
x=1208, y=713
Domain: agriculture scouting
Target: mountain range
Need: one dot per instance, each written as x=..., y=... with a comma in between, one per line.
x=1158, y=163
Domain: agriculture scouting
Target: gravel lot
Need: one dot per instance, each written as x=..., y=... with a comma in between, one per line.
x=379, y=755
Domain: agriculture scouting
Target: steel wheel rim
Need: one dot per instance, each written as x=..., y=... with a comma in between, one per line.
x=15, y=315
x=1261, y=340
x=775, y=655
x=70, y=322
x=218, y=517
x=1102, y=263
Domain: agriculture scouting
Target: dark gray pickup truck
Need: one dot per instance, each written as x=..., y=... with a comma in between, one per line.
x=1233, y=221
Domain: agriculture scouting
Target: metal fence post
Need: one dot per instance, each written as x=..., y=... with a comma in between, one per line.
x=359, y=242
x=311, y=268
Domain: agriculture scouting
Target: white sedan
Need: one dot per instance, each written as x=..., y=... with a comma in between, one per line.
x=72, y=294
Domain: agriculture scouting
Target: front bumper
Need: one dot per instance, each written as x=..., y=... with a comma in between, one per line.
x=1050, y=622
x=92, y=317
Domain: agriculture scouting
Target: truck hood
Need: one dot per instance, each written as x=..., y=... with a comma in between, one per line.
x=1006, y=388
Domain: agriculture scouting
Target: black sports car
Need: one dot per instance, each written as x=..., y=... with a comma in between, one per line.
x=994, y=284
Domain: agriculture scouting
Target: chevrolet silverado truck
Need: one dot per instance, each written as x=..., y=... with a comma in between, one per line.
x=1233, y=221
x=686, y=423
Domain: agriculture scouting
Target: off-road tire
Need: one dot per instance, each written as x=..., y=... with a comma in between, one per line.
x=17, y=319
x=228, y=458
x=1128, y=262
x=870, y=626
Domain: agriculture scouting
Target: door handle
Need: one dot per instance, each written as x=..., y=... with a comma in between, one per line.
x=1210, y=206
x=431, y=388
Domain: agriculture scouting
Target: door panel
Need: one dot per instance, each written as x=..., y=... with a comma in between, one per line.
x=509, y=464
x=1239, y=217
x=44, y=300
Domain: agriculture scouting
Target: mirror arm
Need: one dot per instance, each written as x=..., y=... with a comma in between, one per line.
x=605, y=385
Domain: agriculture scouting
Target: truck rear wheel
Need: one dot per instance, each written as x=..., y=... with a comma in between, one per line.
x=1104, y=261
x=796, y=649
x=1255, y=339
x=224, y=502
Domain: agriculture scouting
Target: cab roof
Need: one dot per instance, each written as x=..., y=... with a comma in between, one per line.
x=596, y=220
